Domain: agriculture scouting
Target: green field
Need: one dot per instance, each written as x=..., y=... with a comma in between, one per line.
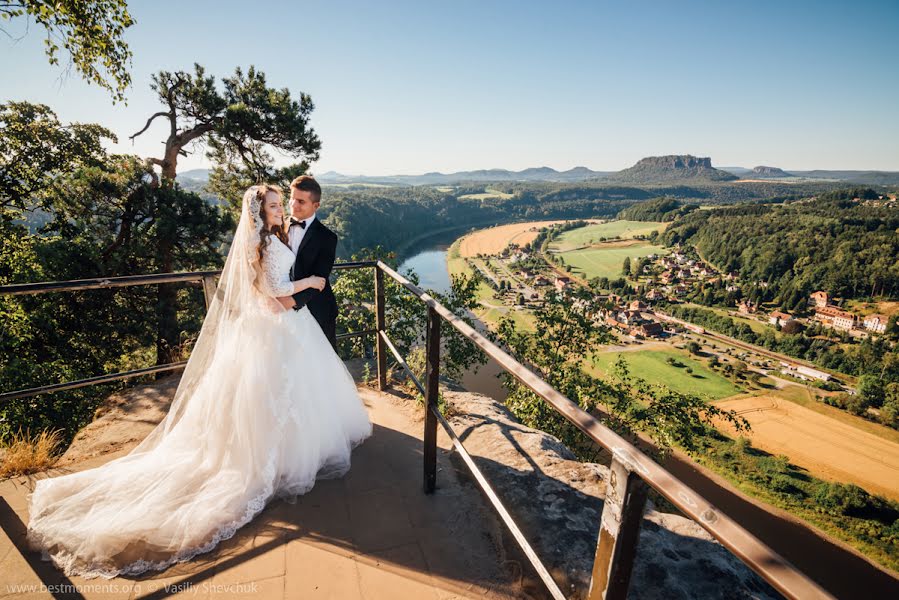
x=650, y=365
x=591, y=234
x=606, y=261
x=485, y=195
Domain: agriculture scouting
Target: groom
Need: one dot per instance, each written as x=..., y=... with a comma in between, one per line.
x=315, y=247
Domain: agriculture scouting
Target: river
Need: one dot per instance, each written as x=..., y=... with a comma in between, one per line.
x=428, y=261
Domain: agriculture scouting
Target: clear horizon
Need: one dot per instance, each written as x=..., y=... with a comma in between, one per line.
x=411, y=89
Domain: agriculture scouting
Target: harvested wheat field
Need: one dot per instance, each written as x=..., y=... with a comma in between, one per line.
x=495, y=239
x=827, y=448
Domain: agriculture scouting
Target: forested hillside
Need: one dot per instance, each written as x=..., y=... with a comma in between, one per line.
x=844, y=242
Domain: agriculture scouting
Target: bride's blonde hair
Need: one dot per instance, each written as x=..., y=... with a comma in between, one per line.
x=280, y=230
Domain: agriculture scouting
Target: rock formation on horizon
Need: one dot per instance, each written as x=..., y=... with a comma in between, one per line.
x=674, y=167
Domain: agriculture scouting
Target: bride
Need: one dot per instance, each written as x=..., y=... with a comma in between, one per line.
x=263, y=409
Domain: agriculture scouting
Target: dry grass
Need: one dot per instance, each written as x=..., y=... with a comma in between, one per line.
x=27, y=454
x=828, y=448
x=495, y=239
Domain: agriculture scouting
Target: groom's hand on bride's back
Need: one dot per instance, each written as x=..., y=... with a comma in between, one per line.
x=287, y=302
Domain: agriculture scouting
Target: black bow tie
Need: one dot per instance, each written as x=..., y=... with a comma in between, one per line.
x=302, y=224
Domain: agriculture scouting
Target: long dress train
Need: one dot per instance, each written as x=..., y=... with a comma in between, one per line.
x=271, y=409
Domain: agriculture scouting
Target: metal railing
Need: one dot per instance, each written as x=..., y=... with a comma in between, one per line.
x=631, y=472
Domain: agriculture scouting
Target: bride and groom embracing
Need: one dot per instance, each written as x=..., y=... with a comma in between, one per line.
x=263, y=409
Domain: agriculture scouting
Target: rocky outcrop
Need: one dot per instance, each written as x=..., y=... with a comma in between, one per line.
x=674, y=167
x=762, y=171
x=557, y=501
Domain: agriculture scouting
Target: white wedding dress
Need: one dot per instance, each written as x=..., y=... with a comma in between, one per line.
x=264, y=408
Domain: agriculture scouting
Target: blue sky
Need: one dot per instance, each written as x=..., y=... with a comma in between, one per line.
x=411, y=87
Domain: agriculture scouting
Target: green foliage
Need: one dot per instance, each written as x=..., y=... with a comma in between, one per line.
x=91, y=31
x=834, y=243
x=657, y=209
x=107, y=219
x=870, y=523
x=36, y=148
x=242, y=123
x=871, y=390
x=889, y=412
x=405, y=315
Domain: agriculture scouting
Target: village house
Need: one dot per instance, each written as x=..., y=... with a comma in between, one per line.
x=819, y=299
x=654, y=294
x=836, y=318
x=613, y=322
x=876, y=323
x=629, y=317
x=780, y=318
x=562, y=283
x=637, y=305
x=746, y=307
x=650, y=329
x=540, y=280
x=667, y=277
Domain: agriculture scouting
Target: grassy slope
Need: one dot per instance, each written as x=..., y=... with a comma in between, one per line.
x=651, y=366
x=606, y=262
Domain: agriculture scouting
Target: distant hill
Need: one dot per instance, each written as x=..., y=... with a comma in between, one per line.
x=860, y=177
x=576, y=174
x=194, y=175
x=769, y=172
x=675, y=167
x=735, y=170
x=652, y=170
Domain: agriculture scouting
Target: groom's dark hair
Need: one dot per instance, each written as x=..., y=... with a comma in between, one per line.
x=307, y=183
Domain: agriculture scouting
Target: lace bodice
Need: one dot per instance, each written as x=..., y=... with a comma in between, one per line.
x=276, y=264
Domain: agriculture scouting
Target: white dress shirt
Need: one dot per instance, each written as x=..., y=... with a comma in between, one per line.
x=295, y=234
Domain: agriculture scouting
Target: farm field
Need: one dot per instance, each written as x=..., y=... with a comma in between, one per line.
x=651, y=366
x=828, y=448
x=495, y=239
x=591, y=234
x=606, y=260
x=487, y=194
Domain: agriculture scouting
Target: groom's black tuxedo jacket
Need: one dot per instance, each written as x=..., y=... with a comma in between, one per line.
x=315, y=256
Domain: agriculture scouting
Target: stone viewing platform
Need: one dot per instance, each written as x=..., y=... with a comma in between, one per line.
x=375, y=534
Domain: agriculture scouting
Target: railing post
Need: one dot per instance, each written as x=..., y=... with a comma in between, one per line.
x=433, y=389
x=208, y=289
x=379, y=325
x=619, y=531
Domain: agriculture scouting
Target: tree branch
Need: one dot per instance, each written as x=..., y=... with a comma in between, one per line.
x=147, y=126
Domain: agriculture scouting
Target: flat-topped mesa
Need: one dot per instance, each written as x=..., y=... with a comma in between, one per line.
x=677, y=161
x=763, y=171
x=673, y=167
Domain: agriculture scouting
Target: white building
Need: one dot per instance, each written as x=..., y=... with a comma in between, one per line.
x=876, y=323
